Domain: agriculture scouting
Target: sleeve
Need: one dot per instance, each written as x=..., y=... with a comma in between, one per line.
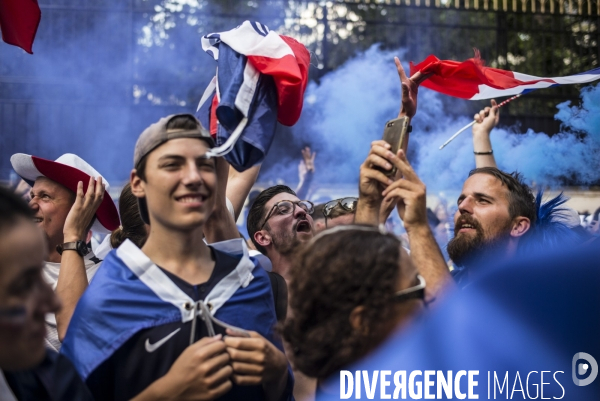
x=60, y=379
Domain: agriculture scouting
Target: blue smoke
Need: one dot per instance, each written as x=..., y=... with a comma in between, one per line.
x=93, y=90
x=348, y=110
x=95, y=81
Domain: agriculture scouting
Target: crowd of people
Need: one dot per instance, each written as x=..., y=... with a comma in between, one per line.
x=176, y=304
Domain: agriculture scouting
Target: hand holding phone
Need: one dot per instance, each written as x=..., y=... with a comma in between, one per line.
x=395, y=133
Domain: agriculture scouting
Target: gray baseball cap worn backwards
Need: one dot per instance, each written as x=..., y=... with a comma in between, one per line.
x=157, y=134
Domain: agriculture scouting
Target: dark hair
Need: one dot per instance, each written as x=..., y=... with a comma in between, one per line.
x=11, y=208
x=338, y=211
x=317, y=213
x=257, y=211
x=521, y=201
x=330, y=276
x=184, y=122
x=132, y=227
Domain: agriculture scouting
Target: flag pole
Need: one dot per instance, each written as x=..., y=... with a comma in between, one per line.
x=473, y=122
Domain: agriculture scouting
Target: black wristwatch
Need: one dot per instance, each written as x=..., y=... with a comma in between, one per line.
x=80, y=247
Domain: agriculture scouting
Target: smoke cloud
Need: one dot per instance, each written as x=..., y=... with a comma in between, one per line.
x=348, y=109
x=92, y=91
x=95, y=81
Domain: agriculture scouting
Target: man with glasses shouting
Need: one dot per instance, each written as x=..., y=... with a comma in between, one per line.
x=277, y=222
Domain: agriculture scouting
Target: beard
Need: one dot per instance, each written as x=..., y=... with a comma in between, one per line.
x=287, y=242
x=467, y=249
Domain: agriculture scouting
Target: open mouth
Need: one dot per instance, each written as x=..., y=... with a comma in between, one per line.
x=464, y=227
x=37, y=220
x=303, y=226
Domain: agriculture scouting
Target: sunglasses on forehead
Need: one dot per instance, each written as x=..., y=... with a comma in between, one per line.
x=348, y=204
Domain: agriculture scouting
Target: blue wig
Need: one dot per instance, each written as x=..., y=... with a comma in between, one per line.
x=550, y=231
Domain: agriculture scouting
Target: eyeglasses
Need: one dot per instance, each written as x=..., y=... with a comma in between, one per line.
x=414, y=292
x=348, y=204
x=288, y=207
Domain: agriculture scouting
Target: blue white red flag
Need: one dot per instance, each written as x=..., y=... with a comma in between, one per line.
x=261, y=79
x=470, y=79
x=130, y=293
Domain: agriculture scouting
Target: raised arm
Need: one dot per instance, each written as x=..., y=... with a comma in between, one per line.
x=306, y=172
x=370, y=203
x=486, y=120
x=72, y=277
x=239, y=186
x=410, y=195
x=220, y=226
x=410, y=90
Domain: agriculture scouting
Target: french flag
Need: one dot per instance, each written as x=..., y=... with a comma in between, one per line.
x=471, y=80
x=261, y=78
x=130, y=293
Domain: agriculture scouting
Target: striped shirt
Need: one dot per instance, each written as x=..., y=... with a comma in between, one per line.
x=50, y=272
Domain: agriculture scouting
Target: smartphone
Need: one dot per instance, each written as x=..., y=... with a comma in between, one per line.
x=394, y=133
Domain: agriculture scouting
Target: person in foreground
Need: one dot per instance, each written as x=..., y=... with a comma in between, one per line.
x=530, y=323
x=152, y=324
x=345, y=303
x=28, y=371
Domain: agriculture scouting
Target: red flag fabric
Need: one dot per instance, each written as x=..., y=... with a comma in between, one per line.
x=470, y=79
x=282, y=57
x=19, y=21
x=261, y=79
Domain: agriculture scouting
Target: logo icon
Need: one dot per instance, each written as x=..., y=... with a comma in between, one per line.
x=581, y=368
x=156, y=345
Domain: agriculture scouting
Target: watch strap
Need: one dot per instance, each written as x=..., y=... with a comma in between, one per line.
x=79, y=246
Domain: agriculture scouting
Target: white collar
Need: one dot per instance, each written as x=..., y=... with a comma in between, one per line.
x=155, y=279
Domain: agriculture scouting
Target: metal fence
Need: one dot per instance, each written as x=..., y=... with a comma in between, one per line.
x=579, y=7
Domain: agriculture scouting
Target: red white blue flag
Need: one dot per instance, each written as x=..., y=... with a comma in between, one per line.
x=261, y=79
x=470, y=79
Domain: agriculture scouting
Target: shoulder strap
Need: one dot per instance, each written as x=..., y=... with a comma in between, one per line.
x=280, y=295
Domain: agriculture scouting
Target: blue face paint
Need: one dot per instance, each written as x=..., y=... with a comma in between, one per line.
x=13, y=316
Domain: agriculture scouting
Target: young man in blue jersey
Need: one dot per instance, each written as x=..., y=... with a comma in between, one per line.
x=145, y=329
